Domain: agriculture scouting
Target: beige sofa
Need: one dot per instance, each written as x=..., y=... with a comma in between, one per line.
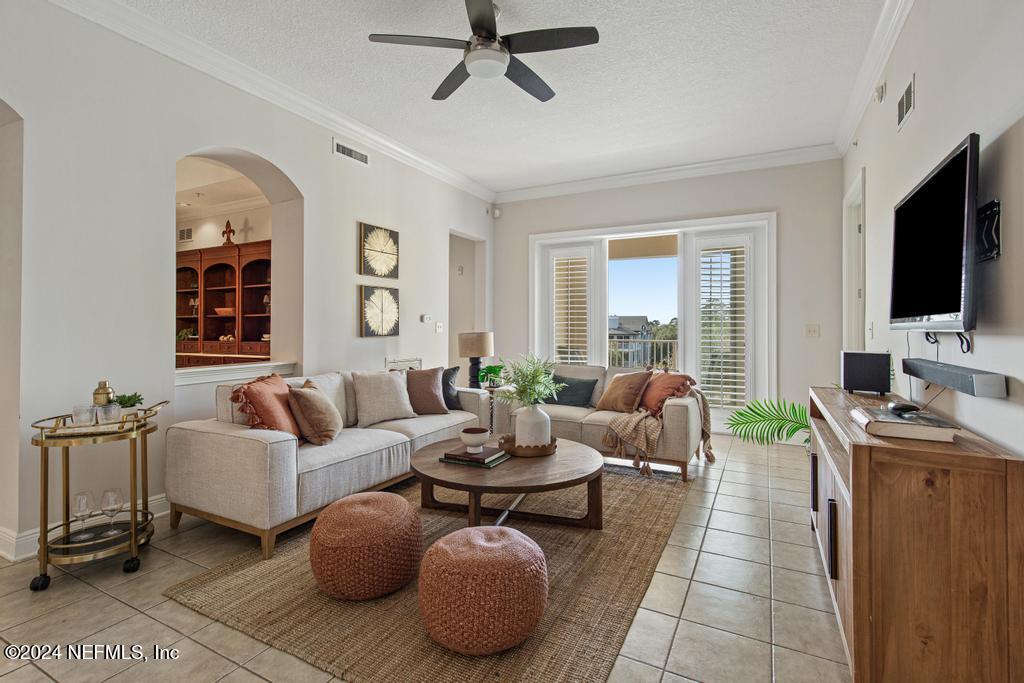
x=264, y=482
x=680, y=435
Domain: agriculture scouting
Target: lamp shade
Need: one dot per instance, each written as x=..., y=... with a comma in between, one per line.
x=476, y=344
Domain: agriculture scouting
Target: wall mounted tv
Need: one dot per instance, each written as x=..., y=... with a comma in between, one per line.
x=933, y=254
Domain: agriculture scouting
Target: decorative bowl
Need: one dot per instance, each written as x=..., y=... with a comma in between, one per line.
x=474, y=438
x=225, y=310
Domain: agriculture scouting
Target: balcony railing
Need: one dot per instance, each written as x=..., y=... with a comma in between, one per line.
x=642, y=353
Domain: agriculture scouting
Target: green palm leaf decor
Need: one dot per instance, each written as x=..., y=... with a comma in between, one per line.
x=769, y=421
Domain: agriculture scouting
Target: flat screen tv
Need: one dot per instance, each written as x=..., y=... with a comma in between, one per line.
x=933, y=247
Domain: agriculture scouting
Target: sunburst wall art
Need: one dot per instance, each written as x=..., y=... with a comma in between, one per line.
x=378, y=251
x=378, y=311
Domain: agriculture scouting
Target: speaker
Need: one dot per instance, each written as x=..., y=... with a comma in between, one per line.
x=863, y=371
x=957, y=377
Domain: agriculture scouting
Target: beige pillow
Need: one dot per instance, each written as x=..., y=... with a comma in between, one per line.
x=425, y=391
x=381, y=396
x=624, y=392
x=319, y=419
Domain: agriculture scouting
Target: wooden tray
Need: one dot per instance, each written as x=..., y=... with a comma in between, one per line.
x=508, y=444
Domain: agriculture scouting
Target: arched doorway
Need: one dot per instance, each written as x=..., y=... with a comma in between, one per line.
x=229, y=298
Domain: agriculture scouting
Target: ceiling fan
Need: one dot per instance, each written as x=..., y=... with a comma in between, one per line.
x=487, y=54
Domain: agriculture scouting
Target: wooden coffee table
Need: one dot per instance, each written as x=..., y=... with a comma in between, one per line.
x=572, y=464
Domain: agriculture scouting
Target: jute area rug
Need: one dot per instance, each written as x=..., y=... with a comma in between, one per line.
x=597, y=580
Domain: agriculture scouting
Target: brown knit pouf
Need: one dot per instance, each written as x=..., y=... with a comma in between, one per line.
x=365, y=546
x=483, y=589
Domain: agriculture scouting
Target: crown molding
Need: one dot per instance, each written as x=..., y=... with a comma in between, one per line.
x=887, y=31
x=149, y=33
x=191, y=213
x=752, y=162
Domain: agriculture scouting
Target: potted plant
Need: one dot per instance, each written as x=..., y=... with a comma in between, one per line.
x=490, y=375
x=769, y=421
x=530, y=382
x=128, y=401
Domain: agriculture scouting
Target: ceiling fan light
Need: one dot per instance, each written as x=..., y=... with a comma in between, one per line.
x=487, y=63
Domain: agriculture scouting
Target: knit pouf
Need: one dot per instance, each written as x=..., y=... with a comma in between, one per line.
x=483, y=589
x=365, y=546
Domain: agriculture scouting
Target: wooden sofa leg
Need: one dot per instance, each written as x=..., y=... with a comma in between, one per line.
x=267, y=541
x=175, y=516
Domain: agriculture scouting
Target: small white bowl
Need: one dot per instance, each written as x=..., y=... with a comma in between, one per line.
x=474, y=438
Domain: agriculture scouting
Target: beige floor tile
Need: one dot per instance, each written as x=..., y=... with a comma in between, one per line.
x=692, y=514
x=739, y=446
x=781, y=470
x=704, y=484
x=729, y=572
x=228, y=642
x=797, y=498
x=704, y=499
x=649, y=637
x=195, y=664
x=748, y=467
x=808, y=631
x=752, y=458
x=108, y=573
x=228, y=549
x=713, y=656
x=784, y=484
x=275, y=665
x=729, y=610
x=27, y=674
x=195, y=539
x=739, y=546
x=796, y=667
x=177, y=616
x=743, y=490
x=147, y=590
x=686, y=535
x=241, y=675
x=743, y=506
x=162, y=526
x=25, y=605
x=665, y=594
x=9, y=665
x=797, y=514
x=627, y=670
x=677, y=561
x=15, y=578
x=787, y=532
x=800, y=588
x=71, y=622
x=802, y=558
x=744, y=478
x=739, y=524
x=669, y=677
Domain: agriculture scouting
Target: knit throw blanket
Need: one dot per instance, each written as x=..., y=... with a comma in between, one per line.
x=640, y=432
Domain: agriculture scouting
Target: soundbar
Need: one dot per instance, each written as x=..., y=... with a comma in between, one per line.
x=957, y=377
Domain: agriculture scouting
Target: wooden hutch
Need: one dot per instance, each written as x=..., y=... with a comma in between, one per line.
x=223, y=292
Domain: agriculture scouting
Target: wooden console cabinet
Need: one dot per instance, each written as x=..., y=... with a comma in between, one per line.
x=923, y=546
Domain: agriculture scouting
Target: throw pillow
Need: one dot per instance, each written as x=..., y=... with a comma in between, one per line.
x=663, y=386
x=381, y=396
x=449, y=390
x=318, y=418
x=425, y=393
x=265, y=401
x=623, y=393
x=577, y=392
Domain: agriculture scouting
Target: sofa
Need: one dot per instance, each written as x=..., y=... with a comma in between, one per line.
x=680, y=436
x=265, y=482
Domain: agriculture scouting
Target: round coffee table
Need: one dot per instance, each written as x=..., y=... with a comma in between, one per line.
x=572, y=464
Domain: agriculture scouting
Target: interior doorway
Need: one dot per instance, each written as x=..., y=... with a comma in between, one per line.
x=853, y=266
x=462, y=299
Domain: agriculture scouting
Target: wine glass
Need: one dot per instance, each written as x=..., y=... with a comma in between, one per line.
x=111, y=503
x=81, y=508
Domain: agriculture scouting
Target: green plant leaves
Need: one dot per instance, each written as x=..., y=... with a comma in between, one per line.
x=769, y=421
x=529, y=381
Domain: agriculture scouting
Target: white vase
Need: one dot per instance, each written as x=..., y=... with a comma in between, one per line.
x=533, y=427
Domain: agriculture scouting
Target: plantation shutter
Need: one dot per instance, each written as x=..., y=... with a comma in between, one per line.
x=722, y=345
x=570, y=309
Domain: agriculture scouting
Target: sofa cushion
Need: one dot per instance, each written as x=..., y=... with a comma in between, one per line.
x=356, y=460
x=349, y=389
x=566, y=421
x=427, y=429
x=597, y=372
x=449, y=390
x=425, y=394
x=624, y=391
x=594, y=428
x=265, y=401
x=381, y=396
x=317, y=416
x=329, y=382
x=576, y=392
x=663, y=386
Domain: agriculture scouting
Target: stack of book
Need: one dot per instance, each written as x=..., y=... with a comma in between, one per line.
x=915, y=425
x=488, y=457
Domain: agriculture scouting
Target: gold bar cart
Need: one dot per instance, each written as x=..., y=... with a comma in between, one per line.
x=58, y=549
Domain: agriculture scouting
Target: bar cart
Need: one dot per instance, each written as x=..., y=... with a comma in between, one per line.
x=58, y=548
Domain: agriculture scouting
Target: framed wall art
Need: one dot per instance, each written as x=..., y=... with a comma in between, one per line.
x=378, y=251
x=378, y=311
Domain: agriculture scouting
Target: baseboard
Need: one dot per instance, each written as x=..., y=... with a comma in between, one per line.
x=15, y=546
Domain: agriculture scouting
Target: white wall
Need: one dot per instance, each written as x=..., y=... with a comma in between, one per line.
x=250, y=226
x=106, y=120
x=808, y=201
x=967, y=59
x=461, y=300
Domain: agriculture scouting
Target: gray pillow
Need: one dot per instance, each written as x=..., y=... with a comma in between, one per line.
x=381, y=396
x=577, y=392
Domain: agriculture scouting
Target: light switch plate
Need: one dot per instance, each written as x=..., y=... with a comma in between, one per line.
x=439, y=327
x=812, y=330
x=426, y=318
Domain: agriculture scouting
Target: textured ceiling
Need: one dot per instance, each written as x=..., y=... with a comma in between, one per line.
x=670, y=83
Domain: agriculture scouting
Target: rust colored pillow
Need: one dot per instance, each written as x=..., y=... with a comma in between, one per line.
x=623, y=393
x=663, y=386
x=318, y=418
x=265, y=401
x=425, y=392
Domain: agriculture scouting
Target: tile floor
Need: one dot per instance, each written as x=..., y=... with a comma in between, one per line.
x=737, y=590
x=740, y=592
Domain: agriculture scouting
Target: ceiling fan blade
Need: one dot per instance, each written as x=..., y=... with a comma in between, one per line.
x=481, y=18
x=550, y=39
x=422, y=41
x=525, y=78
x=452, y=82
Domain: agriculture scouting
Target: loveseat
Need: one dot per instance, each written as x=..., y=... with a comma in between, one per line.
x=265, y=482
x=680, y=436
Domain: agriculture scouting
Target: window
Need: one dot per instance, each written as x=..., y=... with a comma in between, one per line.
x=722, y=340
x=570, y=313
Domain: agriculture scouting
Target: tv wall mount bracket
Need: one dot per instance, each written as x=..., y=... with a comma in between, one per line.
x=987, y=245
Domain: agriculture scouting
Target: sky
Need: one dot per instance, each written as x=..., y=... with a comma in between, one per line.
x=643, y=287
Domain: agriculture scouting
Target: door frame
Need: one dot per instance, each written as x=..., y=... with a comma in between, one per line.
x=854, y=267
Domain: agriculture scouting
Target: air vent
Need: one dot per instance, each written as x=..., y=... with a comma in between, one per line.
x=184, y=234
x=906, y=103
x=345, y=151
